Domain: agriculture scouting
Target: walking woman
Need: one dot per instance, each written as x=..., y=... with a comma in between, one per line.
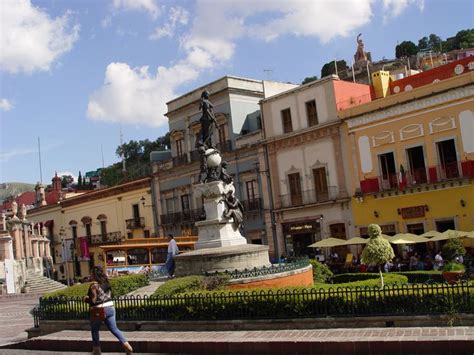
x=102, y=310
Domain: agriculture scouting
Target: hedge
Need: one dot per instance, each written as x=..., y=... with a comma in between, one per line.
x=415, y=277
x=120, y=286
x=321, y=272
x=189, y=284
x=366, y=280
x=264, y=304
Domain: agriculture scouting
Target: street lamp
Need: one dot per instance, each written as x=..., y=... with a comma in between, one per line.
x=62, y=235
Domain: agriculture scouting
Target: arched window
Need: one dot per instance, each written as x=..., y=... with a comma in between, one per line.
x=87, y=221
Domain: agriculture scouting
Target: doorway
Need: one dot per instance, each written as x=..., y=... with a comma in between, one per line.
x=417, y=166
x=389, y=172
x=320, y=184
x=444, y=225
x=448, y=159
x=296, y=196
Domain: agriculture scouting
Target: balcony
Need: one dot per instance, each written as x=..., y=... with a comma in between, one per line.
x=189, y=216
x=224, y=147
x=308, y=197
x=195, y=156
x=436, y=173
x=254, y=205
x=180, y=160
x=135, y=223
x=108, y=238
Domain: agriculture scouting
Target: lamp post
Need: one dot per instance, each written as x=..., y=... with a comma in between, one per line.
x=62, y=235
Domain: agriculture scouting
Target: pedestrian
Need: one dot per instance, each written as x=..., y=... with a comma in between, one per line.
x=172, y=252
x=438, y=261
x=102, y=309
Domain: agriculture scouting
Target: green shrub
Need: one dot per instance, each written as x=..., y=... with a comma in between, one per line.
x=321, y=273
x=179, y=285
x=120, y=286
x=415, y=277
x=365, y=280
x=453, y=267
x=452, y=249
x=189, y=284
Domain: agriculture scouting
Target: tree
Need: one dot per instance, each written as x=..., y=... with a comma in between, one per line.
x=423, y=43
x=79, y=181
x=406, y=49
x=378, y=251
x=433, y=42
x=464, y=39
x=309, y=79
x=452, y=249
x=66, y=180
x=329, y=68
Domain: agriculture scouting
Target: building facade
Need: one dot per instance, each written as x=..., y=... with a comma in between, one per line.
x=238, y=137
x=306, y=163
x=78, y=226
x=413, y=156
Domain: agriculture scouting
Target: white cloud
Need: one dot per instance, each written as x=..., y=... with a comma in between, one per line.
x=178, y=16
x=5, y=105
x=106, y=21
x=7, y=155
x=149, y=6
x=393, y=8
x=30, y=40
x=133, y=95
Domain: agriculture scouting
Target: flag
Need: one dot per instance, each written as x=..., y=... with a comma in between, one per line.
x=402, y=178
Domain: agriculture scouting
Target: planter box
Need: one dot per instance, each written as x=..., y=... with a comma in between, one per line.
x=452, y=277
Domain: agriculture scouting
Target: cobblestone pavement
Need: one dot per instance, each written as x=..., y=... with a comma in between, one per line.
x=15, y=317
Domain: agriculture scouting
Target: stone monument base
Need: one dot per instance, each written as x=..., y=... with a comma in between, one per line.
x=238, y=257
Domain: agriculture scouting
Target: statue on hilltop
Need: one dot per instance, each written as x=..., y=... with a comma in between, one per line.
x=360, y=55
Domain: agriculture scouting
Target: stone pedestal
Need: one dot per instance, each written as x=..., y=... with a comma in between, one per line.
x=230, y=258
x=216, y=231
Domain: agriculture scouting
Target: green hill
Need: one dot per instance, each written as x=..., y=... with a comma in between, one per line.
x=8, y=189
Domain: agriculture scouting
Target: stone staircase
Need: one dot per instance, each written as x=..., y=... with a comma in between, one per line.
x=40, y=284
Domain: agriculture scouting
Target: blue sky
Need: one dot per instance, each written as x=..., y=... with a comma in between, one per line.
x=75, y=73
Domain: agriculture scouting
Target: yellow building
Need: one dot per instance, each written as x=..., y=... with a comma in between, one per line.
x=413, y=157
x=79, y=226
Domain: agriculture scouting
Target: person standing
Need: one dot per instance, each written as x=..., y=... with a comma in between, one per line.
x=438, y=261
x=102, y=309
x=172, y=252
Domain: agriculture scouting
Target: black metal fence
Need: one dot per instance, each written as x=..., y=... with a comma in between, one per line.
x=393, y=300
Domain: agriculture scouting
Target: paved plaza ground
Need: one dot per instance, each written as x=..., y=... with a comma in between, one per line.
x=15, y=317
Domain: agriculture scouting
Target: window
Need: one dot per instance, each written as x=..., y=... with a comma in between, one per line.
x=103, y=228
x=251, y=187
x=185, y=203
x=136, y=212
x=179, y=147
x=222, y=135
x=320, y=184
x=338, y=230
x=389, y=174
x=448, y=159
x=295, y=189
x=286, y=121
x=311, y=113
x=146, y=234
x=169, y=205
x=88, y=229
x=74, y=232
x=130, y=235
x=417, y=167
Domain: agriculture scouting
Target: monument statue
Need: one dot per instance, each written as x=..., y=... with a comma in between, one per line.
x=23, y=211
x=14, y=209
x=360, y=55
x=208, y=120
x=233, y=209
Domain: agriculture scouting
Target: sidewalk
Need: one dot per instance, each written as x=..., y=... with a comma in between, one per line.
x=456, y=341
x=147, y=290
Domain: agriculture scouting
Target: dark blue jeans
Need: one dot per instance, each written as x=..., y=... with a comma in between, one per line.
x=111, y=325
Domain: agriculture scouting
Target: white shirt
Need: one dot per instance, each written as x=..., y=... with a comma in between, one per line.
x=173, y=247
x=438, y=258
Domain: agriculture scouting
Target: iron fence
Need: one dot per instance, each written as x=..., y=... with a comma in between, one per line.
x=407, y=300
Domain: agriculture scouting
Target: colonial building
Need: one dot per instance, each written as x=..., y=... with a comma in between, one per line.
x=412, y=154
x=309, y=180
x=78, y=226
x=238, y=137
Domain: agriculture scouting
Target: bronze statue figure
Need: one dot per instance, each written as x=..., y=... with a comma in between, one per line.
x=208, y=120
x=234, y=209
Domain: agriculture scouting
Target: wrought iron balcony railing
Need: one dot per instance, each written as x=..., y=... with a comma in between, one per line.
x=188, y=216
x=135, y=223
x=180, y=160
x=253, y=205
x=107, y=238
x=308, y=197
